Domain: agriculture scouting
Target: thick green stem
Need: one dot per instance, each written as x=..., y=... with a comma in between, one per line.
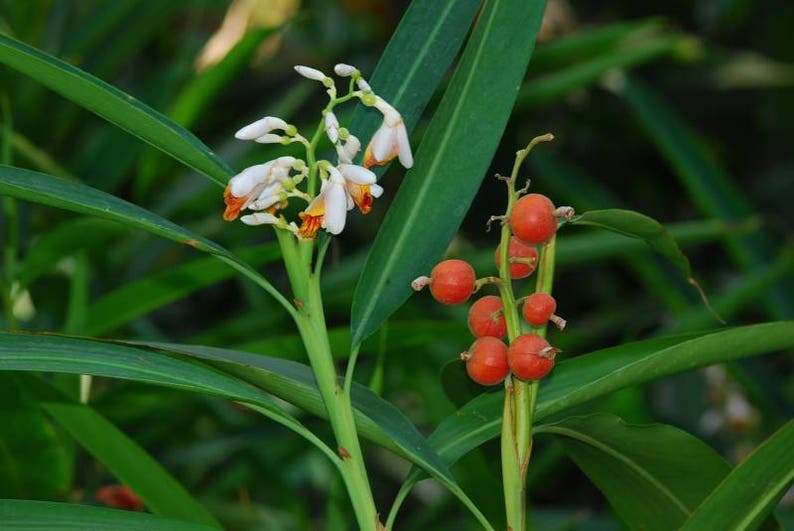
x=314, y=333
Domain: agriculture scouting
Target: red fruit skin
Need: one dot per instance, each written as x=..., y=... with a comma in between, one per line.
x=452, y=282
x=524, y=359
x=487, y=361
x=538, y=308
x=532, y=219
x=487, y=318
x=518, y=249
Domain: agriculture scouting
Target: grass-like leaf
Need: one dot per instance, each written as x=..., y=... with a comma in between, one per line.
x=451, y=161
x=652, y=475
x=745, y=498
x=115, y=106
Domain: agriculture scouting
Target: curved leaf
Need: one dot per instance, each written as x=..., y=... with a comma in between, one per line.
x=48, y=190
x=24, y=515
x=418, y=54
x=635, y=225
x=115, y=106
x=751, y=490
x=451, y=161
x=596, y=374
x=143, y=296
x=131, y=464
x=653, y=475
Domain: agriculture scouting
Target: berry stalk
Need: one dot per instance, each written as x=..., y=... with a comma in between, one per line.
x=520, y=396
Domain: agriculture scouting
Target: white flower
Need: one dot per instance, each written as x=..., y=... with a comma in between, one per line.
x=261, y=127
x=247, y=186
x=332, y=127
x=260, y=218
x=343, y=70
x=390, y=140
x=310, y=73
x=349, y=150
x=363, y=85
x=328, y=210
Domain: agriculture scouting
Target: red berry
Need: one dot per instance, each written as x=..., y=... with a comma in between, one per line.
x=452, y=282
x=530, y=357
x=486, y=361
x=487, y=318
x=532, y=219
x=518, y=249
x=538, y=308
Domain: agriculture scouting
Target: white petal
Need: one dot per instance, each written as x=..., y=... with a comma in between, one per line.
x=279, y=174
x=310, y=73
x=259, y=218
x=403, y=146
x=245, y=181
x=363, y=85
x=260, y=127
x=344, y=70
x=390, y=115
x=352, y=146
x=269, y=139
x=357, y=174
x=383, y=143
x=335, y=209
x=332, y=127
x=265, y=201
x=350, y=203
x=376, y=190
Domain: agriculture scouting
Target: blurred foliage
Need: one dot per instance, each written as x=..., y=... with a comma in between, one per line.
x=677, y=110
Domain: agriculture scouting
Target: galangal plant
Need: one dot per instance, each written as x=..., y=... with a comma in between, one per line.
x=654, y=477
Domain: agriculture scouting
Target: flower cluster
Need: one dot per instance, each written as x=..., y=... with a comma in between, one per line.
x=265, y=189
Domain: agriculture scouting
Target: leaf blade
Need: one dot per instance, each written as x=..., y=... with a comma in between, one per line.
x=454, y=154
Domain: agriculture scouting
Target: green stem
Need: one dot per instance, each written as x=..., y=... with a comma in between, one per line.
x=520, y=396
x=311, y=324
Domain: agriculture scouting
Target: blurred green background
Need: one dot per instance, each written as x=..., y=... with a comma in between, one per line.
x=680, y=110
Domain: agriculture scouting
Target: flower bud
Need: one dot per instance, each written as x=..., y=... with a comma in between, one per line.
x=344, y=70
x=332, y=127
x=310, y=73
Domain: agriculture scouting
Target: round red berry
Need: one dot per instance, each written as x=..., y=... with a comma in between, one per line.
x=518, y=249
x=487, y=317
x=532, y=219
x=538, y=308
x=486, y=361
x=452, y=282
x=530, y=357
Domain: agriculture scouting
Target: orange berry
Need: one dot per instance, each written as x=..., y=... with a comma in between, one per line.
x=452, y=282
x=486, y=361
x=532, y=219
x=487, y=318
x=538, y=308
x=518, y=249
x=530, y=357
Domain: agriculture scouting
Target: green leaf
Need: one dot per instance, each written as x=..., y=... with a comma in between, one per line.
x=48, y=190
x=25, y=515
x=115, y=106
x=745, y=498
x=131, y=464
x=66, y=239
x=417, y=56
x=653, y=475
x=636, y=225
x=451, y=161
x=34, y=462
x=143, y=296
x=28, y=352
x=584, y=378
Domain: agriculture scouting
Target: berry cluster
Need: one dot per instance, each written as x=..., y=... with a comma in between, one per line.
x=532, y=221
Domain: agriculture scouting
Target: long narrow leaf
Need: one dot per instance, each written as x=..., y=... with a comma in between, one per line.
x=750, y=491
x=451, y=161
x=131, y=464
x=25, y=515
x=115, y=106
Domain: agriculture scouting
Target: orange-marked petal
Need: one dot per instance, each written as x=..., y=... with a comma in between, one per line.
x=233, y=205
x=310, y=226
x=362, y=197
